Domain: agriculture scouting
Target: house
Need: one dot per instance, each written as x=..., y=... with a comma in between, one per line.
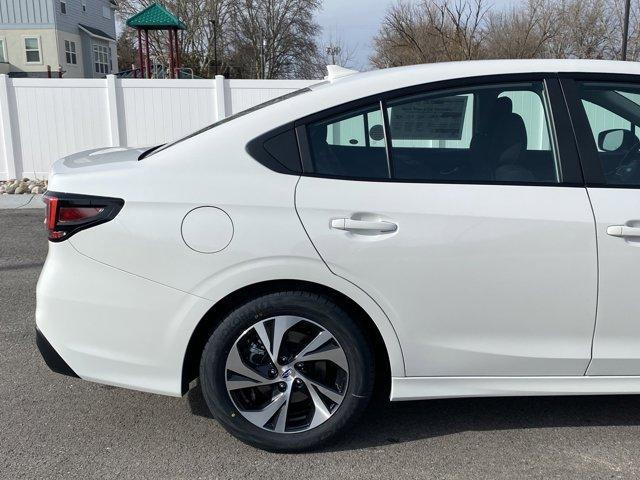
x=76, y=36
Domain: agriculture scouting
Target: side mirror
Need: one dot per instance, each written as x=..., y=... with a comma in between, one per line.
x=612, y=140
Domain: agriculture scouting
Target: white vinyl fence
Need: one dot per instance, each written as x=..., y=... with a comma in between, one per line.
x=42, y=120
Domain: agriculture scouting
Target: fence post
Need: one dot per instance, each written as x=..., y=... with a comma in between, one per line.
x=221, y=98
x=112, y=109
x=6, y=133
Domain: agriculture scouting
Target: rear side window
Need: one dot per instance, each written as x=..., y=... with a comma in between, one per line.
x=350, y=145
x=432, y=122
x=484, y=134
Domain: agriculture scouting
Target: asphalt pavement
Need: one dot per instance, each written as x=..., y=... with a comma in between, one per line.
x=53, y=426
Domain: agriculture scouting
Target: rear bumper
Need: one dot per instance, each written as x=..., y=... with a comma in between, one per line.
x=53, y=360
x=104, y=325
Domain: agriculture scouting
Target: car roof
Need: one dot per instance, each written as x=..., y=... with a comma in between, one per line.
x=327, y=94
x=376, y=81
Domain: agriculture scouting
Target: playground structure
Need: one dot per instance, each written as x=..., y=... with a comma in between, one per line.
x=157, y=17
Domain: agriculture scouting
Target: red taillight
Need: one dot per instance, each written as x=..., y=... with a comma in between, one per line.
x=69, y=213
x=52, y=212
x=52, y=217
x=73, y=214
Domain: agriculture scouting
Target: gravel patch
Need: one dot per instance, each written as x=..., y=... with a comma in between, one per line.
x=23, y=186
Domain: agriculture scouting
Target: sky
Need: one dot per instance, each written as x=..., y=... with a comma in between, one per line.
x=356, y=22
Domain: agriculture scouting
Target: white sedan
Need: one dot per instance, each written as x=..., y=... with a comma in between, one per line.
x=447, y=230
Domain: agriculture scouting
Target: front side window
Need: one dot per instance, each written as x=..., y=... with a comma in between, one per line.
x=101, y=59
x=84, y=5
x=32, y=49
x=70, y=52
x=485, y=134
x=106, y=12
x=613, y=114
x=63, y=7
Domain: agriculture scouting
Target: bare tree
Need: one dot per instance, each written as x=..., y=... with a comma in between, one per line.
x=422, y=31
x=616, y=12
x=276, y=38
x=250, y=38
x=402, y=38
x=334, y=50
x=523, y=32
x=587, y=30
x=458, y=26
x=127, y=50
x=207, y=39
x=430, y=31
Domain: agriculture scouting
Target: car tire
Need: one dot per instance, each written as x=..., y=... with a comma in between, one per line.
x=347, y=389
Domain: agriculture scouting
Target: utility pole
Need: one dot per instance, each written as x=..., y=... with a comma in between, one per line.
x=215, y=46
x=264, y=58
x=263, y=45
x=625, y=29
x=333, y=50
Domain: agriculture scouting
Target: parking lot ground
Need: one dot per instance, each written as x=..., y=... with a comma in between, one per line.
x=58, y=427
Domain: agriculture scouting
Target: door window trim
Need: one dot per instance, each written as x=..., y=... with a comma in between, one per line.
x=559, y=128
x=388, y=146
x=586, y=146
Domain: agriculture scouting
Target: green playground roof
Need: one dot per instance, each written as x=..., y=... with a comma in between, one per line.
x=155, y=17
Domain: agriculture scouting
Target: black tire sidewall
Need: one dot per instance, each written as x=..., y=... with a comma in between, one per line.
x=316, y=308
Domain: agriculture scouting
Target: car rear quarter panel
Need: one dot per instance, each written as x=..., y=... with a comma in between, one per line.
x=144, y=240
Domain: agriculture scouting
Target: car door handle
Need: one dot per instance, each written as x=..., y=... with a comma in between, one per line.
x=623, y=231
x=352, y=225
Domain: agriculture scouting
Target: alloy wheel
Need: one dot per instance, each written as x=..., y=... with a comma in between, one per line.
x=286, y=374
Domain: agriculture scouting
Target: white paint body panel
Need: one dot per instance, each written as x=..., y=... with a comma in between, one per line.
x=490, y=281
x=616, y=345
x=207, y=229
x=144, y=245
x=422, y=388
x=477, y=280
x=97, y=322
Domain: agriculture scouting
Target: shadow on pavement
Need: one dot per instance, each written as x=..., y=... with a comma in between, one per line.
x=396, y=422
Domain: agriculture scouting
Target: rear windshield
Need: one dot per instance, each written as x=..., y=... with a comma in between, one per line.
x=159, y=148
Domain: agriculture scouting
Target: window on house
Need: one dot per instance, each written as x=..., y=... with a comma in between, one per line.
x=3, y=51
x=32, y=49
x=84, y=5
x=63, y=6
x=101, y=59
x=70, y=52
x=106, y=12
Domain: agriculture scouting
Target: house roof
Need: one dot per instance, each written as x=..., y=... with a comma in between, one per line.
x=96, y=32
x=155, y=17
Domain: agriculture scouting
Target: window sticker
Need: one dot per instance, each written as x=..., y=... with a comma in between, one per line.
x=431, y=119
